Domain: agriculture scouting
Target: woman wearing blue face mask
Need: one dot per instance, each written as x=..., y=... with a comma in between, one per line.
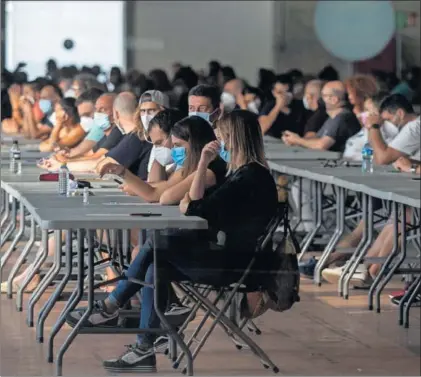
x=67, y=132
x=182, y=147
x=241, y=207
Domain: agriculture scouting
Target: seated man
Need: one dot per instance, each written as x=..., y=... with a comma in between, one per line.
x=205, y=102
x=284, y=113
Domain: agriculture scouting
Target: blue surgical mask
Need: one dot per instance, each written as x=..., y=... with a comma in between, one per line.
x=102, y=121
x=178, y=155
x=204, y=116
x=46, y=106
x=224, y=154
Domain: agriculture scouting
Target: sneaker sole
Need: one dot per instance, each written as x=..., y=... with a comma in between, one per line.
x=331, y=278
x=139, y=369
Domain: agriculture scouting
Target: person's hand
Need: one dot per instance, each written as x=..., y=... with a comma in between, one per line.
x=111, y=168
x=125, y=188
x=290, y=138
x=281, y=100
x=403, y=164
x=26, y=106
x=372, y=119
x=49, y=164
x=209, y=152
x=184, y=204
x=14, y=95
x=241, y=100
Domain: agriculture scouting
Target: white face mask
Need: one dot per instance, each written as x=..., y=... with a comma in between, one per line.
x=87, y=123
x=253, y=106
x=306, y=104
x=163, y=156
x=121, y=129
x=70, y=94
x=228, y=101
x=146, y=120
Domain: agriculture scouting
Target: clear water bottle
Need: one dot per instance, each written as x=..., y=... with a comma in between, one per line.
x=15, y=158
x=367, y=159
x=64, y=180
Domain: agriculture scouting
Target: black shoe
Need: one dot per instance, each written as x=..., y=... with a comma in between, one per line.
x=98, y=318
x=137, y=359
x=161, y=344
x=177, y=314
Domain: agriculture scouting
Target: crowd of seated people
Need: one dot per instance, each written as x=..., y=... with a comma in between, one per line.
x=196, y=141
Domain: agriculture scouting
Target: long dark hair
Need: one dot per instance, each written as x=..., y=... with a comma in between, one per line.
x=69, y=107
x=197, y=132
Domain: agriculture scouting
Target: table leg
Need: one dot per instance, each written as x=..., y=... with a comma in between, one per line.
x=76, y=296
x=2, y=200
x=340, y=227
x=7, y=209
x=300, y=203
x=12, y=225
x=45, y=311
x=359, y=247
x=5, y=257
x=319, y=217
x=23, y=255
x=75, y=330
x=387, y=263
x=360, y=256
x=407, y=301
x=38, y=291
x=171, y=332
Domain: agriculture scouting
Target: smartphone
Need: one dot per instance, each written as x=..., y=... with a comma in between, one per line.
x=146, y=214
x=118, y=182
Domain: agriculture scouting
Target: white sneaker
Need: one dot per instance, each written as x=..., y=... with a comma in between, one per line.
x=332, y=275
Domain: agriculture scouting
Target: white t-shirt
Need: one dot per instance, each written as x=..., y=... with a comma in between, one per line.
x=408, y=139
x=355, y=144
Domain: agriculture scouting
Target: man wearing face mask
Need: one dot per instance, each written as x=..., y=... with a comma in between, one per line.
x=283, y=113
x=314, y=104
x=250, y=99
x=399, y=111
x=233, y=90
x=133, y=150
x=49, y=96
x=205, y=102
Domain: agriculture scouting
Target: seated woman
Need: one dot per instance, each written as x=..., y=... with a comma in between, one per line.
x=67, y=132
x=240, y=208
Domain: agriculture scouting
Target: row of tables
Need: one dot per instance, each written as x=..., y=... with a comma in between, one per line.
x=109, y=209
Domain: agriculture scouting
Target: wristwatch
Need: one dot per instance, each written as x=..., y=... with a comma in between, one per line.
x=375, y=126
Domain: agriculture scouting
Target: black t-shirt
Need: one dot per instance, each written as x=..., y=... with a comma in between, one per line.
x=241, y=207
x=110, y=141
x=132, y=153
x=316, y=121
x=294, y=121
x=6, y=107
x=340, y=128
x=219, y=169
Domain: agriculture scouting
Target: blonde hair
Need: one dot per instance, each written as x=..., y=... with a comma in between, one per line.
x=240, y=129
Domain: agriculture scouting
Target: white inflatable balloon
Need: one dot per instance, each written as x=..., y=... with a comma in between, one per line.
x=354, y=30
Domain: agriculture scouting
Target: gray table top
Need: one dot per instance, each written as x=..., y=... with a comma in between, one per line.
x=105, y=212
x=25, y=154
x=296, y=153
x=384, y=182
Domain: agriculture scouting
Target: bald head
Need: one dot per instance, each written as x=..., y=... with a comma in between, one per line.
x=104, y=104
x=333, y=94
x=234, y=87
x=125, y=104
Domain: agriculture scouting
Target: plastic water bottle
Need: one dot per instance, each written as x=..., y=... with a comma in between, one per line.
x=15, y=158
x=63, y=180
x=85, y=195
x=367, y=159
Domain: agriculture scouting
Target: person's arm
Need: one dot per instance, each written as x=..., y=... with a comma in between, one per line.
x=84, y=147
x=383, y=154
x=72, y=138
x=266, y=121
x=407, y=165
x=310, y=135
x=320, y=143
x=157, y=173
x=84, y=166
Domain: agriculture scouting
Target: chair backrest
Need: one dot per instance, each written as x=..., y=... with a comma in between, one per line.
x=280, y=215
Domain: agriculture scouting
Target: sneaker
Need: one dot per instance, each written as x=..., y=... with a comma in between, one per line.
x=136, y=359
x=359, y=279
x=307, y=268
x=415, y=304
x=161, y=344
x=98, y=317
x=397, y=293
x=177, y=314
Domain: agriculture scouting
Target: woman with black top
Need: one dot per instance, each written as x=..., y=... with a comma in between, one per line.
x=241, y=208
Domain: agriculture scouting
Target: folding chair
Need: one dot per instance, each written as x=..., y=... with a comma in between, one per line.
x=200, y=292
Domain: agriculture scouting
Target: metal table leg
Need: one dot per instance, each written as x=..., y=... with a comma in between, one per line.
x=5, y=257
x=23, y=255
x=77, y=293
x=12, y=225
x=91, y=272
x=7, y=210
x=352, y=267
x=319, y=217
x=381, y=275
x=45, y=311
x=172, y=333
x=407, y=301
x=300, y=203
x=340, y=227
x=37, y=265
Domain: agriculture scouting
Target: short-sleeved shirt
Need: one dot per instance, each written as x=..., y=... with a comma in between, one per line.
x=355, y=144
x=132, y=153
x=110, y=141
x=408, y=139
x=49, y=120
x=316, y=121
x=95, y=134
x=285, y=122
x=340, y=129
